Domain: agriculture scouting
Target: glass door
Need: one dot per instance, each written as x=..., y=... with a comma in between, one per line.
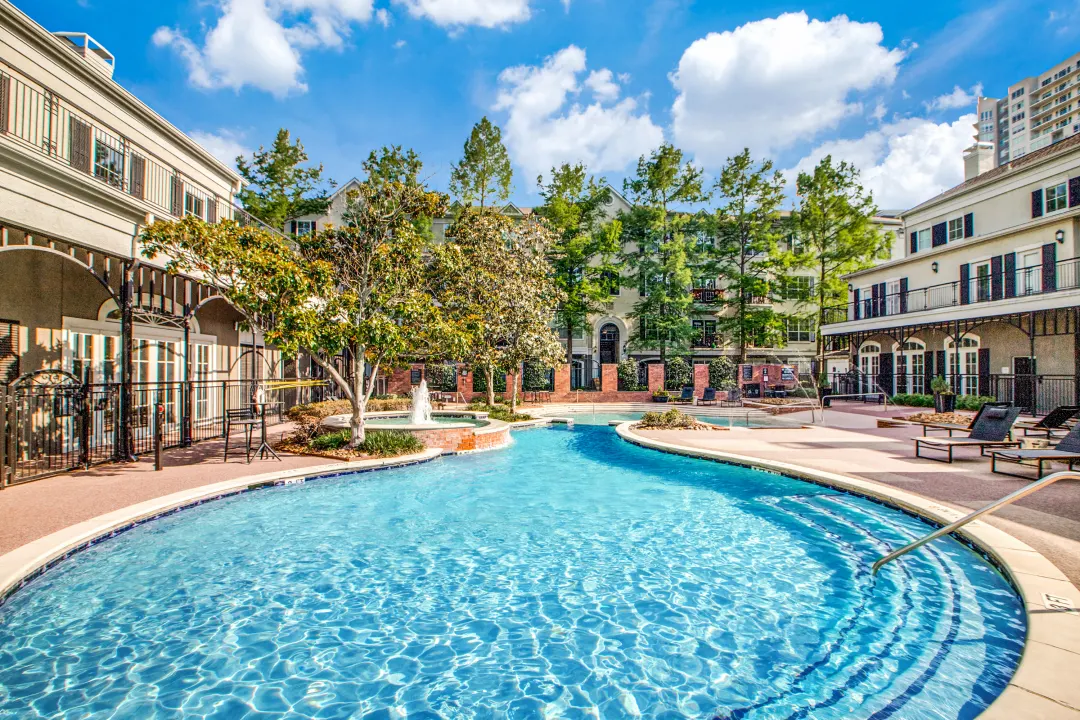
x=1029, y=280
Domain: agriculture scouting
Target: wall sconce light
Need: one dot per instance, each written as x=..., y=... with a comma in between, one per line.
x=1060, y=236
x=934, y=266
x=850, y=287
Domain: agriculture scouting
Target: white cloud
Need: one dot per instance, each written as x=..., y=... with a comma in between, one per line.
x=459, y=13
x=771, y=83
x=224, y=144
x=250, y=44
x=382, y=16
x=958, y=98
x=879, y=111
x=546, y=126
x=399, y=44
x=903, y=163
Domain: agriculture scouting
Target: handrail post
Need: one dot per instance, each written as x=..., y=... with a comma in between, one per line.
x=985, y=510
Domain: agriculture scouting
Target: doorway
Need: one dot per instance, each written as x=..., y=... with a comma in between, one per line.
x=609, y=344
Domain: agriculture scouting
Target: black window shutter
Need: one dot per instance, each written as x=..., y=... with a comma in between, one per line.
x=858, y=306
x=965, y=284
x=1074, y=185
x=79, y=155
x=1049, y=267
x=903, y=296
x=5, y=93
x=137, y=176
x=292, y=228
x=984, y=371
x=928, y=371
x=914, y=245
x=177, y=204
x=939, y=236
x=1010, y=274
x=314, y=226
x=969, y=225
x=211, y=209
x=882, y=306
x=1036, y=203
x=875, y=300
x=940, y=363
x=997, y=289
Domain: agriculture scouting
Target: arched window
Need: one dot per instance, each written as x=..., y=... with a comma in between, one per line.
x=609, y=344
x=963, y=363
x=911, y=367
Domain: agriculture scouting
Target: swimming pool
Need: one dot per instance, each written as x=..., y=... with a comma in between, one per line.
x=571, y=575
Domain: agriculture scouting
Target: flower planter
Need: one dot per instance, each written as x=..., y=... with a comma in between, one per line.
x=660, y=398
x=944, y=402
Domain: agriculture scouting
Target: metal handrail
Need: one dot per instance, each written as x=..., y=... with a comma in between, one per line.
x=986, y=510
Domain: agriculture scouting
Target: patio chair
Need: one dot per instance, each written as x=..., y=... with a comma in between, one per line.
x=956, y=427
x=708, y=397
x=1056, y=419
x=687, y=396
x=990, y=429
x=1066, y=451
x=246, y=419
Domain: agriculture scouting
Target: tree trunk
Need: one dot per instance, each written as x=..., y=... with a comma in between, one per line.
x=569, y=343
x=489, y=371
x=513, y=393
x=359, y=401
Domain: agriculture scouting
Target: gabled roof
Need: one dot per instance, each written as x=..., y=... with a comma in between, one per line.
x=343, y=187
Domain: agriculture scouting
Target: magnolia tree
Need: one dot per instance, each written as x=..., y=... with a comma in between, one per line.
x=365, y=291
x=498, y=282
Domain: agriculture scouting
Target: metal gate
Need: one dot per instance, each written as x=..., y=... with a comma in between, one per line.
x=55, y=423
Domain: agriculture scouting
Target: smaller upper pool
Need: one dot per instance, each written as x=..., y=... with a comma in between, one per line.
x=396, y=420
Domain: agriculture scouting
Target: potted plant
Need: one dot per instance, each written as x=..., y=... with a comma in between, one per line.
x=944, y=397
x=660, y=396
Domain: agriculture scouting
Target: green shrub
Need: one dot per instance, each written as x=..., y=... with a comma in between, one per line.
x=973, y=402
x=498, y=412
x=940, y=386
x=628, y=375
x=678, y=374
x=441, y=377
x=669, y=420
x=722, y=374
x=913, y=400
x=536, y=377
x=380, y=443
x=479, y=383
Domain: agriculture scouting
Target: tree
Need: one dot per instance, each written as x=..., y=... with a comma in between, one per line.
x=744, y=250
x=659, y=250
x=585, y=248
x=722, y=373
x=391, y=164
x=277, y=187
x=498, y=281
x=484, y=172
x=833, y=233
x=364, y=291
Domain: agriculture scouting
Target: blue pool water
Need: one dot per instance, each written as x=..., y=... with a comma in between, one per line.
x=569, y=576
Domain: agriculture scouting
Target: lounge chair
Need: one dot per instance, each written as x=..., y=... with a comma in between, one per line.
x=687, y=396
x=1056, y=419
x=708, y=397
x=956, y=427
x=1066, y=451
x=991, y=428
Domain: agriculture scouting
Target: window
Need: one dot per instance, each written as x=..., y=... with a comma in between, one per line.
x=956, y=229
x=1056, y=198
x=304, y=227
x=193, y=205
x=1018, y=129
x=1018, y=106
x=923, y=239
x=108, y=164
x=201, y=368
x=798, y=288
x=1018, y=117
x=609, y=279
x=986, y=115
x=1019, y=92
x=82, y=356
x=800, y=330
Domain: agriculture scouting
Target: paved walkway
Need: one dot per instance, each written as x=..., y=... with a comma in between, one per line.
x=849, y=442
x=35, y=509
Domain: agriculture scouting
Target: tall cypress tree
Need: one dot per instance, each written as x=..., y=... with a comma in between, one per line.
x=660, y=250
x=277, y=184
x=484, y=173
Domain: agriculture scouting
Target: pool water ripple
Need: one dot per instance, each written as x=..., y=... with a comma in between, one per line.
x=569, y=576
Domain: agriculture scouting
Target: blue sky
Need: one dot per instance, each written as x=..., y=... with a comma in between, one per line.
x=888, y=86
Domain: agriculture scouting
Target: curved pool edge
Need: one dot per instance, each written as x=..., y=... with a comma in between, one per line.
x=1043, y=686
x=27, y=562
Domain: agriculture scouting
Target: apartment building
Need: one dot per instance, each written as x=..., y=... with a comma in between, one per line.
x=1035, y=112
x=84, y=167
x=987, y=294
x=605, y=338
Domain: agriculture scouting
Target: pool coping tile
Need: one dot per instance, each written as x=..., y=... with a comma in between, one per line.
x=1043, y=685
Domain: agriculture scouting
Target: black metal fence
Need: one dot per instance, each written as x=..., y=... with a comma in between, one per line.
x=52, y=423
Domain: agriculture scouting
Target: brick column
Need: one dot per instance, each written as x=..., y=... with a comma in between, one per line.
x=609, y=378
x=464, y=382
x=562, y=380
x=656, y=377
x=701, y=379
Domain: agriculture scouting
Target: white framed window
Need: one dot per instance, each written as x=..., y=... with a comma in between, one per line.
x=892, y=297
x=963, y=363
x=924, y=239
x=304, y=227
x=1056, y=198
x=194, y=205
x=798, y=287
x=956, y=229
x=800, y=330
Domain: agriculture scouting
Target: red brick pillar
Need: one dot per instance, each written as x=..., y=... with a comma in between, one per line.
x=656, y=377
x=464, y=382
x=562, y=381
x=609, y=378
x=701, y=379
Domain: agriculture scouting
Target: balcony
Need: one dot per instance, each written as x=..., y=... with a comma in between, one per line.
x=39, y=120
x=706, y=340
x=707, y=296
x=1024, y=282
